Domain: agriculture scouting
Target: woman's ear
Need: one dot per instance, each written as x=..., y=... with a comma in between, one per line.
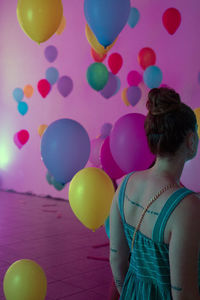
x=192, y=142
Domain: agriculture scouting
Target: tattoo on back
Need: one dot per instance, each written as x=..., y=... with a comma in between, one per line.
x=176, y=288
x=137, y=204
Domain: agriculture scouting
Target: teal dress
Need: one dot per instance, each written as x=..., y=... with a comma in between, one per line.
x=148, y=276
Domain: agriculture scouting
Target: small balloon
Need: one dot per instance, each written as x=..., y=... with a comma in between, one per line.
x=41, y=129
x=57, y=185
x=146, y=57
x=96, y=56
x=97, y=76
x=22, y=107
x=28, y=91
x=134, y=17
x=110, y=87
x=106, y=130
x=134, y=78
x=133, y=95
x=51, y=53
x=23, y=136
x=16, y=141
x=44, y=87
x=152, y=77
x=115, y=62
x=62, y=26
x=118, y=85
x=52, y=75
x=65, y=85
x=49, y=178
x=124, y=97
x=197, y=113
x=18, y=94
x=171, y=20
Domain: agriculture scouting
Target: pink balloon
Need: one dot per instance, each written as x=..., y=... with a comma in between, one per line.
x=134, y=78
x=190, y=178
x=96, y=145
x=128, y=143
x=16, y=141
x=108, y=163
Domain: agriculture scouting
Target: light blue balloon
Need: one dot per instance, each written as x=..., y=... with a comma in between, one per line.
x=65, y=149
x=107, y=226
x=106, y=18
x=152, y=77
x=22, y=107
x=133, y=17
x=52, y=75
x=18, y=94
x=118, y=85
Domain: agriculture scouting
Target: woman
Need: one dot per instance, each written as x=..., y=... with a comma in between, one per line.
x=153, y=217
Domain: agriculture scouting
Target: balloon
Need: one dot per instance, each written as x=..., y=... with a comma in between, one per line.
x=115, y=62
x=134, y=78
x=51, y=53
x=62, y=26
x=52, y=75
x=190, y=177
x=41, y=129
x=96, y=56
x=23, y=136
x=197, y=113
x=106, y=18
x=146, y=57
x=16, y=141
x=124, y=97
x=92, y=40
x=49, y=178
x=39, y=19
x=199, y=77
x=18, y=94
x=110, y=87
x=90, y=196
x=23, y=280
x=65, y=149
x=134, y=17
x=128, y=143
x=152, y=77
x=118, y=85
x=57, y=185
x=28, y=91
x=171, y=20
x=65, y=85
x=106, y=130
x=133, y=95
x=97, y=76
x=44, y=87
x=108, y=163
x=107, y=226
x=22, y=108
x=96, y=145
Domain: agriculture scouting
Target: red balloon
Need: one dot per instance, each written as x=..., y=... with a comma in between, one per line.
x=23, y=136
x=96, y=56
x=146, y=57
x=171, y=20
x=115, y=62
x=43, y=87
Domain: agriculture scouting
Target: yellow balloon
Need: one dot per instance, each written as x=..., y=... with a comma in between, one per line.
x=124, y=97
x=39, y=19
x=197, y=113
x=92, y=40
x=25, y=280
x=41, y=129
x=61, y=26
x=90, y=196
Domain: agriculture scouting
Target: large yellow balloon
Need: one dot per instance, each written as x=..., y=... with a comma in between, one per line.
x=39, y=19
x=90, y=196
x=197, y=113
x=25, y=280
x=92, y=40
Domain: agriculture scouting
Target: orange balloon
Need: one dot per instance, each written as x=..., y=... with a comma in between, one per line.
x=124, y=97
x=28, y=91
x=62, y=26
x=41, y=129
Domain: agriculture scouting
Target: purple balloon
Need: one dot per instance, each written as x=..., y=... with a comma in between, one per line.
x=133, y=95
x=65, y=85
x=51, y=53
x=106, y=129
x=128, y=143
x=111, y=86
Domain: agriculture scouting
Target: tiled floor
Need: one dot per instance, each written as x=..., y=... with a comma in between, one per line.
x=46, y=231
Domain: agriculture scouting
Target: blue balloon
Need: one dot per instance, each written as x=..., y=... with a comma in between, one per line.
x=133, y=17
x=107, y=226
x=52, y=75
x=152, y=77
x=22, y=107
x=18, y=94
x=65, y=149
x=118, y=85
x=106, y=18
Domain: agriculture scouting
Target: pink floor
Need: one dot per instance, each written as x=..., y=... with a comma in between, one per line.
x=46, y=231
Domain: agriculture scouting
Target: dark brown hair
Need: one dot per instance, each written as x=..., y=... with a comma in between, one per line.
x=168, y=121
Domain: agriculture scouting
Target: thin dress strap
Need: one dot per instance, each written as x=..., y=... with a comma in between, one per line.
x=121, y=196
x=168, y=208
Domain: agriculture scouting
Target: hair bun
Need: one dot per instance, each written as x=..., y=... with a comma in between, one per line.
x=162, y=100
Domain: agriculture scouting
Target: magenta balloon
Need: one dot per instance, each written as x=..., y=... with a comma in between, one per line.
x=128, y=143
x=108, y=163
x=190, y=178
x=95, y=152
x=134, y=78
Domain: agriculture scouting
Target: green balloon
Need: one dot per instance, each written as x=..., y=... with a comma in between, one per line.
x=97, y=76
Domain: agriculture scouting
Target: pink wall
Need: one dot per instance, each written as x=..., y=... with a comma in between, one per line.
x=22, y=62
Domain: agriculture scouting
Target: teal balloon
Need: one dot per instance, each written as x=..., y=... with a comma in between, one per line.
x=58, y=186
x=22, y=108
x=49, y=178
x=18, y=94
x=152, y=77
x=107, y=226
x=133, y=17
x=52, y=75
x=97, y=76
